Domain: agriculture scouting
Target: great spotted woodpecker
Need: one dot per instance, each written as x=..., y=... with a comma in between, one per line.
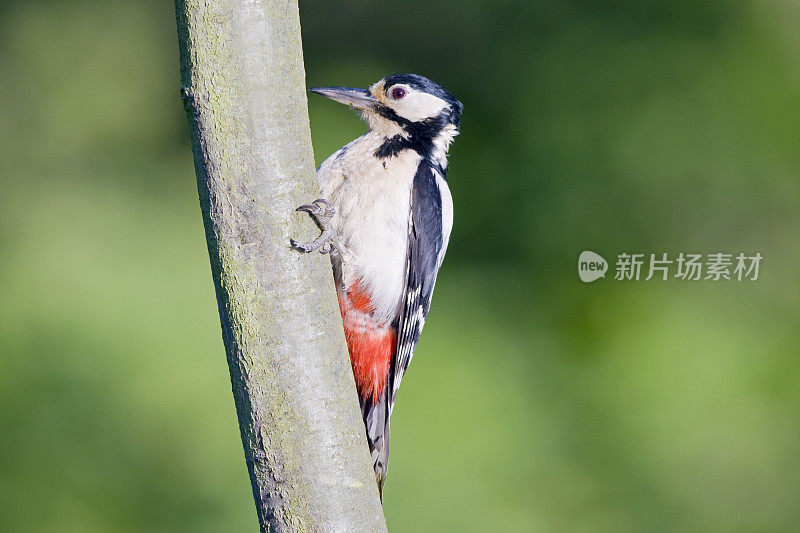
x=386, y=215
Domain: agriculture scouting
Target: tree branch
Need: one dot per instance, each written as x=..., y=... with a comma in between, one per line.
x=303, y=438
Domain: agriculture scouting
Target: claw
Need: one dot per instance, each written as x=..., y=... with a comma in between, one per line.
x=305, y=247
x=317, y=208
x=311, y=209
x=321, y=211
x=326, y=203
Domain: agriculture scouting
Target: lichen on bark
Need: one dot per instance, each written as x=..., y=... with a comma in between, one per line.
x=303, y=438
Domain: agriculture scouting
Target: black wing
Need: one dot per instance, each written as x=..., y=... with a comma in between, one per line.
x=426, y=241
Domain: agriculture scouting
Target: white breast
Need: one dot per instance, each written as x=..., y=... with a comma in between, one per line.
x=372, y=200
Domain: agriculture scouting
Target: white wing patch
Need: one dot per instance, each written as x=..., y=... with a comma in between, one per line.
x=447, y=213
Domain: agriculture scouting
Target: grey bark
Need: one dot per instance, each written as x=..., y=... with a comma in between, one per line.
x=303, y=438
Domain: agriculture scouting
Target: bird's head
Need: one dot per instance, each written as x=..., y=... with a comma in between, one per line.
x=407, y=107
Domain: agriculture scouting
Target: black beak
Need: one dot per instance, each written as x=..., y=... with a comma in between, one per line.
x=357, y=98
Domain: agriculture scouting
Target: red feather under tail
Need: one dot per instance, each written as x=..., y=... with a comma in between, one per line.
x=371, y=344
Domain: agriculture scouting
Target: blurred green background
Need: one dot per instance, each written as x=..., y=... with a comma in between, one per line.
x=535, y=402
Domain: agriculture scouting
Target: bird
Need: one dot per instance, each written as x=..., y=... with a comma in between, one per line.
x=386, y=214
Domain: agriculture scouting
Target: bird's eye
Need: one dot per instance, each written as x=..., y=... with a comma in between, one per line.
x=398, y=93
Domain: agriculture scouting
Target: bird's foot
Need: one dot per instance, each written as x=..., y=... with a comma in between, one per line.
x=321, y=211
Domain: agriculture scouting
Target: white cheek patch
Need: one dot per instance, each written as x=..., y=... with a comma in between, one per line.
x=417, y=106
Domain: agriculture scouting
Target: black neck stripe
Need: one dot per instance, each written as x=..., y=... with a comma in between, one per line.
x=419, y=135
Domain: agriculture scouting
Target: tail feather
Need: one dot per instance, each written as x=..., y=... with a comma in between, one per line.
x=376, y=420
